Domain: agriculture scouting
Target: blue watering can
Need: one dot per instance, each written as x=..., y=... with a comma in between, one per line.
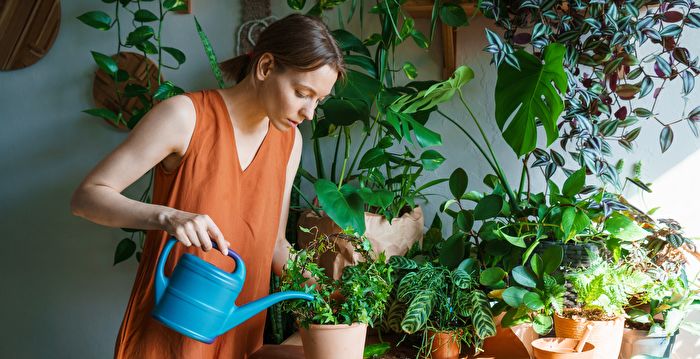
x=198, y=300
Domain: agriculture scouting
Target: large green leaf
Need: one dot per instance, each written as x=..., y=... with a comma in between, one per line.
x=357, y=85
x=98, y=19
x=337, y=206
x=345, y=112
x=418, y=312
x=624, y=228
x=528, y=96
x=435, y=94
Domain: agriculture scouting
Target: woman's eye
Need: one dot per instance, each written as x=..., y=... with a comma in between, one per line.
x=300, y=95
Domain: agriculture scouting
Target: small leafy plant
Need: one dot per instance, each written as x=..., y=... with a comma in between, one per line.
x=433, y=297
x=359, y=296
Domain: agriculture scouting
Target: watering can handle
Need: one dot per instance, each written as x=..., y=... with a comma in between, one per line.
x=161, y=281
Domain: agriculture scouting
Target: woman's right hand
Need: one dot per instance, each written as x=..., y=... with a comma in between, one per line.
x=193, y=229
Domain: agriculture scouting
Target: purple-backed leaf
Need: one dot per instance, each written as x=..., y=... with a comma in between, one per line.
x=673, y=16
x=694, y=114
x=627, y=91
x=662, y=67
x=666, y=138
x=657, y=92
x=522, y=38
x=621, y=113
x=682, y=55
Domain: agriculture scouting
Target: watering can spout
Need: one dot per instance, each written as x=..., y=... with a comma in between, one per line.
x=245, y=312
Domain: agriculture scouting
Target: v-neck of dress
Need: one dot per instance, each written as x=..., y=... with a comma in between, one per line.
x=233, y=136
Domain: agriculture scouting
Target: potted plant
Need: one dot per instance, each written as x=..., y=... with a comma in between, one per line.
x=334, y=324
x=603, y=291
x=445, y=305
x=655, y=315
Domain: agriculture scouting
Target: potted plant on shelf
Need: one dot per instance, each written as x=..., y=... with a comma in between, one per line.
x=655, y=315
x=603, y=291
x=334, y=324
x=443, y=304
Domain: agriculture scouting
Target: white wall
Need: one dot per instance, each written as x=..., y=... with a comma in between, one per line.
x=63, y=297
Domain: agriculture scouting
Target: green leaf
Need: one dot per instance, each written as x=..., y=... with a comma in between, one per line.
x=363, y=62
x=345, y=112
x=143, y=15
x=357, y=86
x=420, y=39
x=491, y=276
x=106, y=63
x=125, y=249
x=542, y=324
x=139, y=35
x=348, y=42
x=552, y=258
x=537, y=264
x=410, y=70
x=102, y=113
x=518, y=241
x=431, y=159
x=147, y=47
x=96, y=19
x=488, y=207
x=418, y=312
x=533, y=301
x=296, y=4
x=465, y=221
x=434, y=95
x=624, y=228
x=529, y=96
x=211, y=55
x=523, y=277
x=513, y=296
x=178, y=55
x=375, y=157
x=574, y=184
x=453, y=15
x=452, y=251
x=336, y=205
x=425, y=137
x=458, y=182
x=400, y=262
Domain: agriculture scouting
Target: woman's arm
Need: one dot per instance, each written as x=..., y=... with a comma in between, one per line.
x=279, y=258
x=165, y=130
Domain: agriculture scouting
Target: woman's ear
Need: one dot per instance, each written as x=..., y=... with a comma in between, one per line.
x=265, y=66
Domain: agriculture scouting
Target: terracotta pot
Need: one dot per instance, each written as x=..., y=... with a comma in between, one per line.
x=394, y=238
x=640, y=342
x=512, y=342
x=562, y=348
x=606, y=335
x=444, y=345
x=340, y=341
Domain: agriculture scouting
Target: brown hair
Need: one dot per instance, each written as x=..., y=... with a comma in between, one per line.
x=297, y=41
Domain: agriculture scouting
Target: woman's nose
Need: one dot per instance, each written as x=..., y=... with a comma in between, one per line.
x=307, y=112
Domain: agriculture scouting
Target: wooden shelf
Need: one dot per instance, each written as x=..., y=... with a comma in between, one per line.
x=423, y=9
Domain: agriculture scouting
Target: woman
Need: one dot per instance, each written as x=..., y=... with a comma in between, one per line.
x=224, y=164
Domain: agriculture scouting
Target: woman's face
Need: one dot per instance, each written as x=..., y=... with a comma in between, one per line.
x=290, y=97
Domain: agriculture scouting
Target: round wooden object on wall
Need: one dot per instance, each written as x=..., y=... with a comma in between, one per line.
x=142, y=71
x=28, y=28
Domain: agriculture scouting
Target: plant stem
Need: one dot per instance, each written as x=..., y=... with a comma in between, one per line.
x=499, y=170
x=347, y=154
x=320, y=171
x=335, y=158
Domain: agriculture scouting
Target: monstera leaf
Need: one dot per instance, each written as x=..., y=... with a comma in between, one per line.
x=530, y=95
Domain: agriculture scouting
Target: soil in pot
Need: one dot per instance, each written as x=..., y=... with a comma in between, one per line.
x=340, y=341
x=561, y=348
x=606, y=334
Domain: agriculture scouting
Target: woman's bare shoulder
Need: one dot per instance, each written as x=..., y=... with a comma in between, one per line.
x=171, y=121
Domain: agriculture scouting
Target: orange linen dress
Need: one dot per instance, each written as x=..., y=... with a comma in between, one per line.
x=245, y=205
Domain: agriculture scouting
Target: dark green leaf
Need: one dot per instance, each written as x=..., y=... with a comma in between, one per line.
x=139, y=35
x=513, y=296
x=375, y=157
x=410, y=70
x=523, y=277
x=345, y=112
x=452, y=251
x=143, y=15
x=491, y=276
x=178, y=55
x=453, y=15
x=431, y=159
x=488, y=207
x=336, y=205
x=125, y=249
x=458, y=182
x=296, y=4
x=106, y=63
x=465, y=221
x=574, y=184
x=348, y=42
x=528, y=96
x=552, y=258
x=96, y=19
x=533, y=301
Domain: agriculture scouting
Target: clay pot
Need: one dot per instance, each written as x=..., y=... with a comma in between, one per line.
x=640, y=342
x=606, y=335
x=444, y=345
x=342, y=341
x=561, y=348
x=512, y=342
